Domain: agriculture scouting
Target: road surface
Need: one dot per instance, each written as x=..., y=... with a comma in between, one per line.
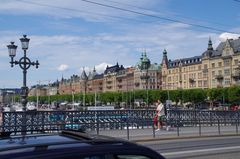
x=198, y=148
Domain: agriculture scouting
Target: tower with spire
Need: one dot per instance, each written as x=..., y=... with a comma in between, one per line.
x=165, y=59
x=83, y=81
x=209, y=52
x=210, y=44
x=144, y=62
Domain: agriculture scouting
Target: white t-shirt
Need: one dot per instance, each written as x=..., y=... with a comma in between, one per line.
x=160, y=109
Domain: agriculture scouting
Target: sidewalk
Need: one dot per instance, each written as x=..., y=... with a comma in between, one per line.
x=173, y=133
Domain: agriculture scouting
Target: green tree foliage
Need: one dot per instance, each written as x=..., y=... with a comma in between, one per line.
x=219, y=94
x=226, y=95
x=234, y=95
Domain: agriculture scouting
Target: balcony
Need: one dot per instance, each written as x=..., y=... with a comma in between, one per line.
x=164, y=75
x=109, y=87
x=219, y=77
x=120, y=80
x=144, y=77
x=137, y=84
x=191, y=80
x=236, y=76
x=205, y=70
x=109, y=82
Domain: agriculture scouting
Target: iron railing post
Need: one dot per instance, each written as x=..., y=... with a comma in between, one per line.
x=127, y=130
x=236, y=123
x=200, y=131
x=219, y=131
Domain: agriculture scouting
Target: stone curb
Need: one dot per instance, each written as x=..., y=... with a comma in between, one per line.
x=180, y=138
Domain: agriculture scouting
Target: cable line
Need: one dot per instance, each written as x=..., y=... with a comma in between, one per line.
x=80, y=11
x=158, y=17
x=174, y=14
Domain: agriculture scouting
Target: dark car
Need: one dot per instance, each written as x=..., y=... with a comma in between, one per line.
x=72, y=145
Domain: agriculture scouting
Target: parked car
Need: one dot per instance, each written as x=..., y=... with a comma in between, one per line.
x=72, y=145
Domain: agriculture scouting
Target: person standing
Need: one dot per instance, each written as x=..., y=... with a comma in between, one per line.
x=160, y=113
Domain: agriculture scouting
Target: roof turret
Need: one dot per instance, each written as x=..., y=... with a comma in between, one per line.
x=165, y=59
x=144, y=62
x=84, y=75
x=210, y=44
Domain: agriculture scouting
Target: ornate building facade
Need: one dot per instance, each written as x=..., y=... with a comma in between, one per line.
x=219, y=67
x=115, y=78
x=214, y=68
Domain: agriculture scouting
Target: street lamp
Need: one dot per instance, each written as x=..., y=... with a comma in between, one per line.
x=24, y=63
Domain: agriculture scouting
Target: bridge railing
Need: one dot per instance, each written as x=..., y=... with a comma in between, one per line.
x=42, y=121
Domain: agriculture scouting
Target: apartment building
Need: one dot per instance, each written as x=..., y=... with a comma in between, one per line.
x=213, y=68
x=219, y=67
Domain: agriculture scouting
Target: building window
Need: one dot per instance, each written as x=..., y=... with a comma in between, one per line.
x=213, y=65
x=219, y=64
x=199, y=83
x=227, y=52
x=227, y=72
x=199, y=75
x=236, y=62
x=227, y=81
x=226, y=62
x=199, y=67
x=205, y=83
x=219, y=72
x=169, y=79
x=205, y=67
x=205, y=75
x=184, y=76
x=213, y=73
x=213, y=82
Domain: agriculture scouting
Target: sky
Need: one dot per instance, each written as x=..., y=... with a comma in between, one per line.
x=67, y=36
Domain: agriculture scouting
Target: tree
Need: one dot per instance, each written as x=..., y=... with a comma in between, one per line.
x=234, y=95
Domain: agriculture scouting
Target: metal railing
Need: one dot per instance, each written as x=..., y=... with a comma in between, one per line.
x=47, y=121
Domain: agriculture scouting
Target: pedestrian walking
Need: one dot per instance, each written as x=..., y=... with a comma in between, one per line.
x=160, y=114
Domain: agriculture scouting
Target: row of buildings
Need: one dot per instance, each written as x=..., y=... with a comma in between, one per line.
x=219, y=67
x=8, y=95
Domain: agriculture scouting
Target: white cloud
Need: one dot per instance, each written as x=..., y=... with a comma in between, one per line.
x=72, y=8
x=63, y=67
x=71, y=52
x=225, y=36
x=107, y=48
x=102, y=66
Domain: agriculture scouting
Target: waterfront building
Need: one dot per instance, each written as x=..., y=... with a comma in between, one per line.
x=69, y=86
x=113, y=78
x=213, y=68
x=7, y=95
x=147, y=75
x=219, y=67
x=94, y=82
x=38, y=90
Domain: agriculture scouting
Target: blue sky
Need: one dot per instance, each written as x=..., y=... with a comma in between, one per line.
x=69, y=35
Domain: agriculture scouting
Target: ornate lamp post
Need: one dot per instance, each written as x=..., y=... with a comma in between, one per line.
x=24, y=63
